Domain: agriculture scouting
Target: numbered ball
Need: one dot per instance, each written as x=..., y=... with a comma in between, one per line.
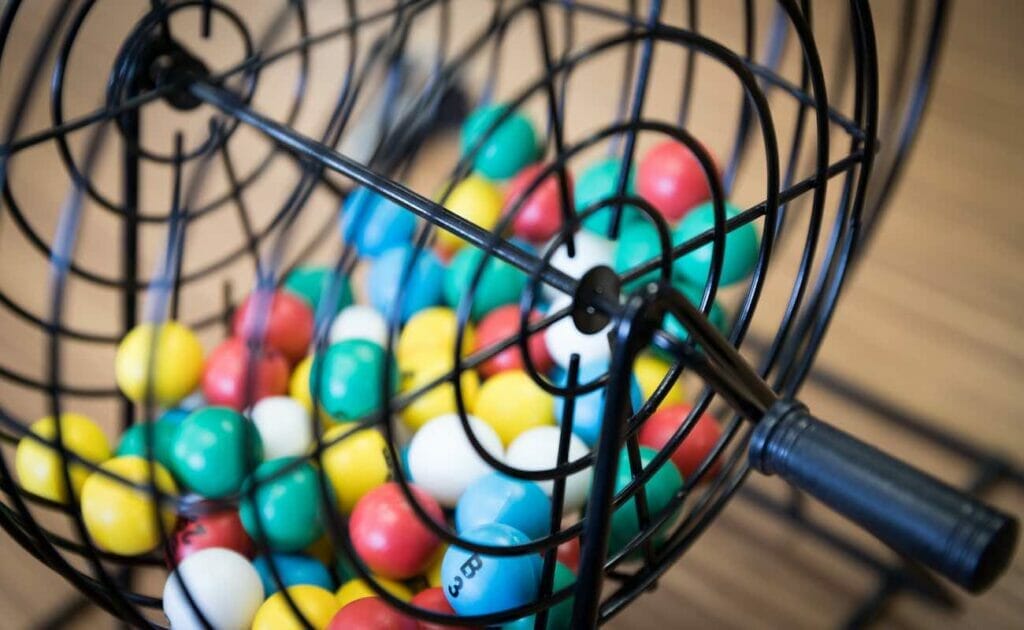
x=156, y=437
x=284, y=425
x=563, y=339
x=439, y=399
x=444, y=462
x=432, y=599
x=422, y=288
x=374, y=224
x=640, y=243
x=121, y=518
x=313, y=283
x=502, y=148
x=218, y=529
x=389, y=535
x=660, y=491
x=479, y=584
x=317, y=606
x=40, y=467
x=694, y=449
x=475, y=199
x=598, y=183
x=356, y=589
x=649, y=372
x=350, y=374
x=497, y=498
x=671, y=178
x=359, y=322
x=370, y=613
x=429, y=334
x=539, y=217
x=501, y=324
x=355, y=463
x=559, y=615
x=742, y=247
x=500, y=283
x=176, y=363
x=214, y=451
x=511, y=402
x=225, y=379
x=224, y=588
x=285, y=319
x=537, y=449
x=283, y=495
x=588, y=409
x=590, y=251
x=293, y=569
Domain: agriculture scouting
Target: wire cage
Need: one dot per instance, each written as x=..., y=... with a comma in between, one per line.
x=160, y=157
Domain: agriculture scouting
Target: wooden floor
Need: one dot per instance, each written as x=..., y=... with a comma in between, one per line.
x=931, y=322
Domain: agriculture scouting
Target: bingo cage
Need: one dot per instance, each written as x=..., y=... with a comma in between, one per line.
x=500, y=259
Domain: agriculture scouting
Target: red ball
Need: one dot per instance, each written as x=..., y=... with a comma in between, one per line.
x=388, y=534
x=671, y=179
x=540, y=216
x=218, y=529
x=688, y=456
x=500, y=324
x=224, y=377
x=288, y=325
x=569, y=554
x=370, y=613
x=432, y=599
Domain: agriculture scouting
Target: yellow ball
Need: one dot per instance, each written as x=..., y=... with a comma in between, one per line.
x=433, y=573
x=512, y=403
x=317, y=605
x=178, y=363
x=120, y=518
x=476, y=199
x=358, y=589
x=428, y=334
x=649, y=371
x=39, y=466
x=439, y=399
x=298, y=386
x=355, y=465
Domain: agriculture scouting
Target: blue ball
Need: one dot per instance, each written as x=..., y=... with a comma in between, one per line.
x=374, y=224
x=174, y=415
x=497, y=498
x=588, y=409
x=294, y=569
x=477, y=584
x=424, y=288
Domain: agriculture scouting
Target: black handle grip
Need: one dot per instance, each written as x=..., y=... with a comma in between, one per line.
x=912, y=512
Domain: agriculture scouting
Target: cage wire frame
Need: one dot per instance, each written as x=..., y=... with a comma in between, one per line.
x=152, y=66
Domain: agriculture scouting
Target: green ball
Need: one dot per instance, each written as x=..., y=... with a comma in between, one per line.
x=742, y=246
x=660, y=490
x=638, y=243
x=215, y=448
x=133, y=441
x=350, y=373
x=560, y=615
x=600, y=181
x=311, y=282
x=288, y=504
x=500, y=284
x=505, y=151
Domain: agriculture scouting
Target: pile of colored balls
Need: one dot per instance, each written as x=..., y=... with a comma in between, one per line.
x=268, y=461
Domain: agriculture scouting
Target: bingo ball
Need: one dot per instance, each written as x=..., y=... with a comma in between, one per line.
x=695, y=447
x=433, y=572
x=429, y=334
x=671, y=178
x=660, y=490
x=350, y=374
x=355, y=463
x=423, y=287
x=591, y=251
x=501, y=324
x=649, y=372
x=40, y=467
x=218, y=529
x=559, y=615
x=135, y=442
x=389, y=535
x=374, y=224
x=298, y=384
x=293, y=569
x=215, y=450
x=497, y=498
x=640, y=243
x=286, y=321
x=223, y=586
x=356, y=589
x=439, y=399
x=569, y=554
x=121, y=518
x=598, y=183
x=511, y=402
x=588, y=408
x=284, y=425
x=317, y=606
x=444, y=462
x=563, y=339
x=370, y=613
x=286, y=502
x=742, y=247
x=537, y=449
x=500, y=283
x=479, y=584
x=359, y=322
x=432, y=599
x=502, y=149
x=311, y=284
x=177, y=363
x=227, y=371
x=540, y=215
x=475, y=199
x=716, y=316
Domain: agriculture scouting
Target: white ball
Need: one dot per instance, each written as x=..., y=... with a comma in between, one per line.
x=537, y=449
x=442, y=460
x=359, y=322
x=591, y=250
x=284, y=426
x=563, y=339
x=224, y=586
